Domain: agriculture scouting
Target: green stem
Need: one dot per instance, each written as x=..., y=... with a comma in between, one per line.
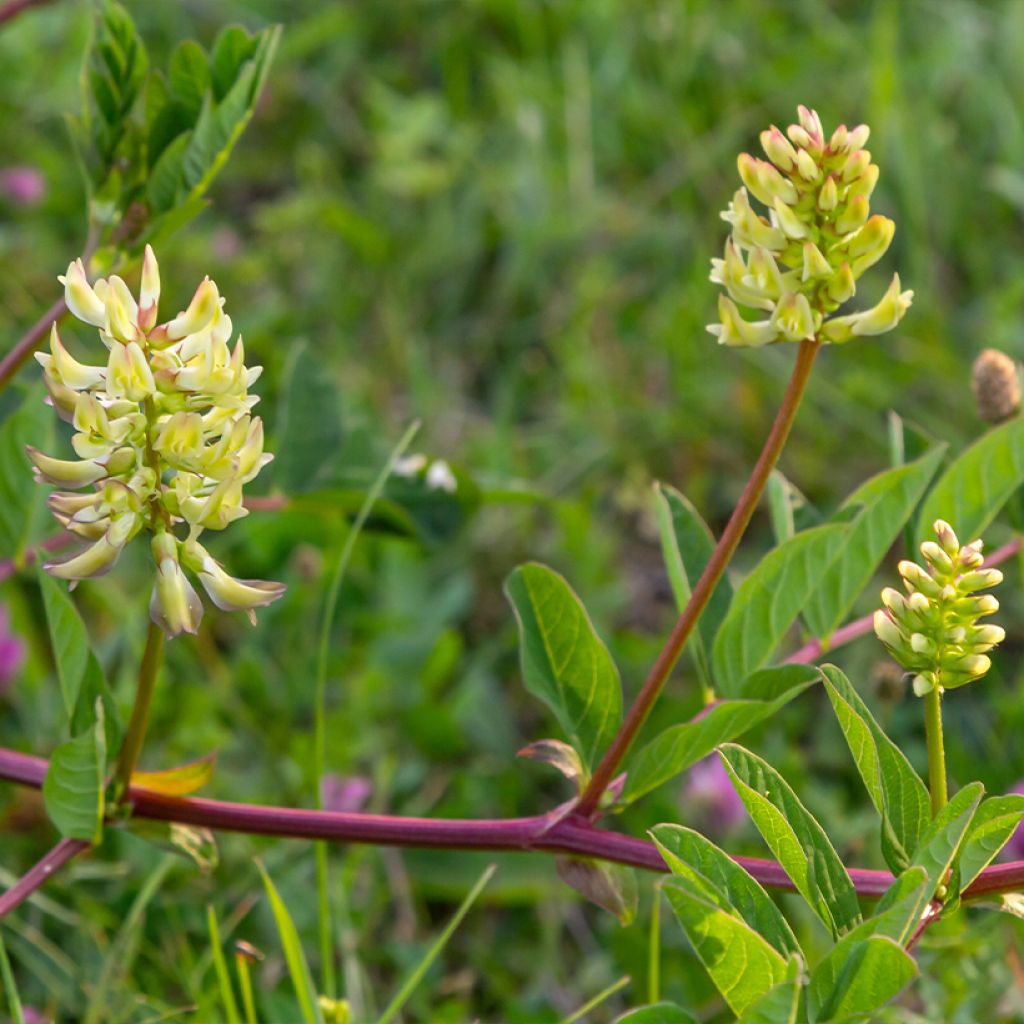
x=132, y=746
x=936, y=749
x=713, y=571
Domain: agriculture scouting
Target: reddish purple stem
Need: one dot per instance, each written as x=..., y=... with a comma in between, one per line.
x=569, y=835
x=38, y=875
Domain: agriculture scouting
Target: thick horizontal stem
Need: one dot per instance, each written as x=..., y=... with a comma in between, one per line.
x=570, y=835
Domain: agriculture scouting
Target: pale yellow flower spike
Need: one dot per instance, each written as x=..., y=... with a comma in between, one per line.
x=165, y=436
x=801, y=260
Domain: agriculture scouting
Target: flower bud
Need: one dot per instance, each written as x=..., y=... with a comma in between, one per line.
x=788, y=221
x=854, y=216
x=81, y=299
x=778, y=149
x=842, y=285
x=947, y=538
x=870, y=243
x=128, y=373
x=828, y=196
x=979, y=579
x=937, y=557
x=62, y=367
x=865, y=184
x=175, y=606
x=65, y=473
x=807, y=167
x=201, y=310
x=149, y=290
x=121, y=312
x=888, y=632
x=764, y=181
x=856, y=166
x=99, y=558
x=815, y=265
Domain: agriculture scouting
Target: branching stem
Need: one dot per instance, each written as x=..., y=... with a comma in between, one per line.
x=705, y=587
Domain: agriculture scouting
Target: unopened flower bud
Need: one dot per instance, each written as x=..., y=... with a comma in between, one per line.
x=149, y=291
x=870, y=243
x=100, y=557
x=936, y=556
x=778, y=149
x=854, y=216
x=81, y=299
x=815, y=265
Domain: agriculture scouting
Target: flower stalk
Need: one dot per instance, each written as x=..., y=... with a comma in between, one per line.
x=936, y=750
x=149, y=669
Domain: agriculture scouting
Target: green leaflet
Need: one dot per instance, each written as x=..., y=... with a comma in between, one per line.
x=972, y=490
x=795, y=837
x=743, y=965
x=309, y=430
x=683, y=745
x=564, y=662
x=885, y=503
x=768, y=601
x=896, y=790
x=298, y=969
x=717, y=878
x=941, y=842
x=686, y=546
x=73, y=789
x=20, y=496
x=873, y=972
x=220, y=967
x=780, y=1005
x=196, y=119
x=81, y=678
x=994, y=822
x=908, y=896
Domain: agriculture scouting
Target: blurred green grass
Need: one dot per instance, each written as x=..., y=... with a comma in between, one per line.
x=498, y=216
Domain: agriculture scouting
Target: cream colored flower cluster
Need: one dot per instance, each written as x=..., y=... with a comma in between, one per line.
x=164, y=435
x=933, y=631
x=802, y=262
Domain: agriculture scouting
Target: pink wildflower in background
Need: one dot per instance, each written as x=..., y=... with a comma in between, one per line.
x=24, y=186
x=344, y=794
x=709, y=801
x=12, y=650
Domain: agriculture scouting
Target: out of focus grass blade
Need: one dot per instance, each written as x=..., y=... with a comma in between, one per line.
x=227, y=994
x=423, y=966
x=117, y=959
x=11, y=991
x=597, y=1000
x=302, y=980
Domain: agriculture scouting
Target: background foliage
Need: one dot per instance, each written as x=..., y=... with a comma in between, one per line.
x=497, y=216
